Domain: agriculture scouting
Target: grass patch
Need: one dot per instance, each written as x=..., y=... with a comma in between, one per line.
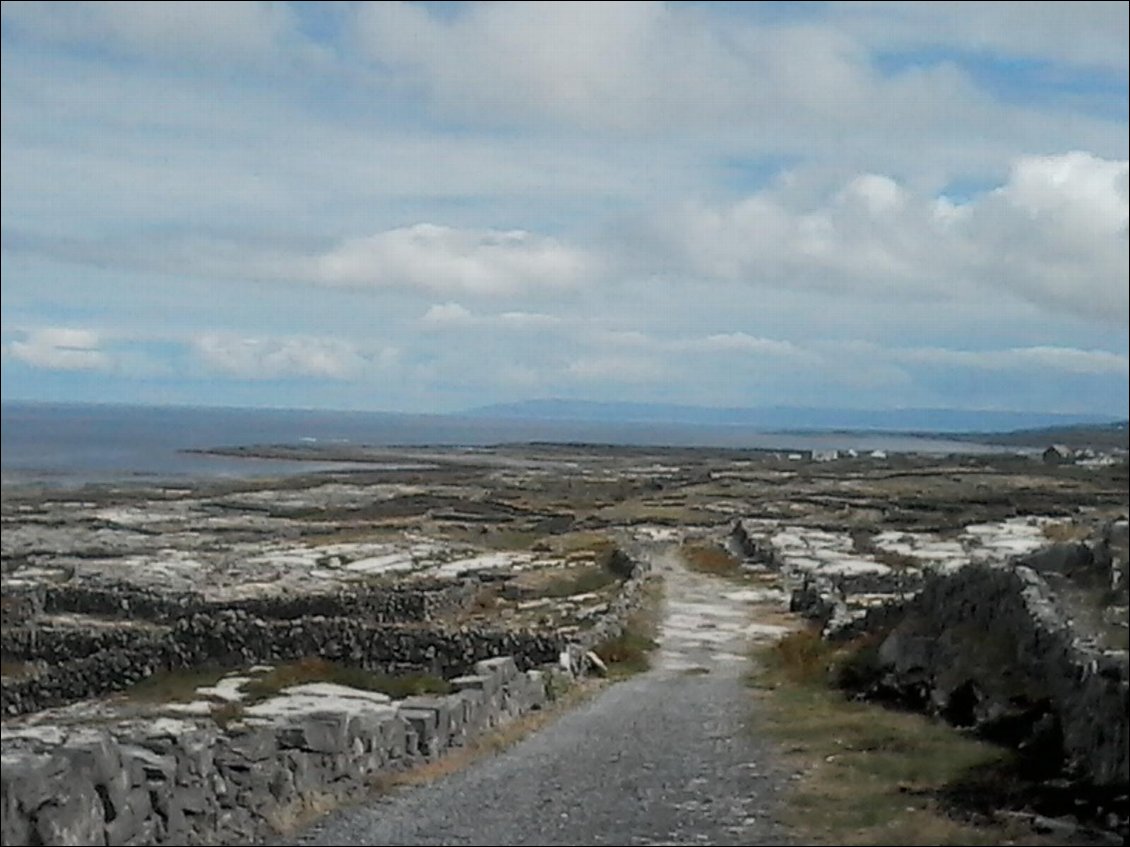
x=579, y=580
x=177, y=686
x=643, y=511
x=183, y=685
x=630, y=652
x=16, y=669
x=314, y=669
x=225, y=714
x=1065, y=531
x=868, y=775
x=802, y=658
x=863, y=543
x=580, y=541
x=508, y=540
x=627, y=654
x=710, y=559
x=570, y=580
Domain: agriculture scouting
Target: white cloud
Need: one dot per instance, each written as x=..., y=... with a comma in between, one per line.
x=446, y=315
x=1054, y=234
x=618, y=66
x=740, y=342
x=1083, y=33
x=435, y=258
x=585, y=62
x=61, y=348
x=617, y=369
x=454, y=315
x=634, y=66
x=290, y=356
x=620, y=338
x=528, y=320
x=810, y=85
x=1063, y=360
x=491, y=171
x=210, y=31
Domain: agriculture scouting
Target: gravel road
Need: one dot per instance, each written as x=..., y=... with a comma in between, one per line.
x=666, y=757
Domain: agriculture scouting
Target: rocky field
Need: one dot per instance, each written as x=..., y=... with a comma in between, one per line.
x=338, y=624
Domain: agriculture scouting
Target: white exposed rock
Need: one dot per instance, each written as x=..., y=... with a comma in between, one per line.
x=757, y=595
x=596, y=662
x=656, y=533
x=766, y=630
x=196, y=708
x=389, y=563
x=484, y=562
x=330, y=689
x=163, y=727
x=229, y=689
x=319, y=697
x=47, y=734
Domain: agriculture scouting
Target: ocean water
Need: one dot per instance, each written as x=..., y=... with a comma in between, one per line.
x=70, y=444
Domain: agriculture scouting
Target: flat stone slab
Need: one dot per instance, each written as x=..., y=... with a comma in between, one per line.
x=319, y=697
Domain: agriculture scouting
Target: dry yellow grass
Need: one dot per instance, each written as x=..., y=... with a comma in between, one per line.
x=630, y=653
x=563, y=582
x=580, y=542
x=1065, y=531
x=301, y=812
x=710, y=559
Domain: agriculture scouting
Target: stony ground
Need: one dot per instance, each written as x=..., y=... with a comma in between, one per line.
x=666, y=757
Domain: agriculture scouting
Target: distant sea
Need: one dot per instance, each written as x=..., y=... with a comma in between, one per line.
x=73, y=444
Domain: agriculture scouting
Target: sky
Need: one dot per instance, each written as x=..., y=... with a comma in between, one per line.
x=431, y=207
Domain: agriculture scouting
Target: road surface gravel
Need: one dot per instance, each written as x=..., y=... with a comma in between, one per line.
x=666, y=757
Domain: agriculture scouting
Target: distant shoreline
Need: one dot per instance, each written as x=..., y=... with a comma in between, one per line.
x=64, y=445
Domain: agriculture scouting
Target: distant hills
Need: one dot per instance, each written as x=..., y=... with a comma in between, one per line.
x=1096, y=436
x=801, y=419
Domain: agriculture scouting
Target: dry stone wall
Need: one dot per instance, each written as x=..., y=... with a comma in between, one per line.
x=988, y=646
x=177, y=781
x=413, y=602
x=75, y=663
x=232, y=638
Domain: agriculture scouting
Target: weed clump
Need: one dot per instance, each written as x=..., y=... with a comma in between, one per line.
x=801, y=657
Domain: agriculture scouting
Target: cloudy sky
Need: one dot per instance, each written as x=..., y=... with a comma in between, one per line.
x=427, y=207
